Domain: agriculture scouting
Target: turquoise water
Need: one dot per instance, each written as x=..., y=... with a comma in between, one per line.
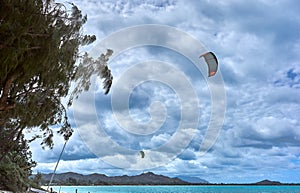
x=178, y=189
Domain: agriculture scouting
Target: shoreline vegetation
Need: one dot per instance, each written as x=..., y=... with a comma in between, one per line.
x=144, y=179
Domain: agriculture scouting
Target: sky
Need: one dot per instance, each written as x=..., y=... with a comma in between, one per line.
x=162, y=103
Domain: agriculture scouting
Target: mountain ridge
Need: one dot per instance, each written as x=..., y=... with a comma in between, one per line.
x=149, y=178
x=192, y=179
x=268, y=182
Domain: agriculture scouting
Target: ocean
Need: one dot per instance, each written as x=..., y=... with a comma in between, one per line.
x=177, y=189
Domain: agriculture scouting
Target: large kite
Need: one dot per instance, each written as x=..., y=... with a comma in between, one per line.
x=212, y=63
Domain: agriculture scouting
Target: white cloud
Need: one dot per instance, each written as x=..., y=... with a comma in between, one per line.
x=257, y=44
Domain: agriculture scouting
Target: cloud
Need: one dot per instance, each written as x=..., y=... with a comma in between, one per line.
x=75, y=149
x=257, y=44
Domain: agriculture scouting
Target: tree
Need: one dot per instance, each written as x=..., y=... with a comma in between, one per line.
x=40, y=58
x=15, y=167
x=39, y=47
x=38, y=179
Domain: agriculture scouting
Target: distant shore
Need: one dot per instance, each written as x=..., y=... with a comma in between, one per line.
x=210, y=184
x=176, y=189
x=144, y=179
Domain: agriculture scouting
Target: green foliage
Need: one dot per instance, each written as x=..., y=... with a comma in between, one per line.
x=39, y=48
x=37, y=179
x=89, y=66
x=15, y=167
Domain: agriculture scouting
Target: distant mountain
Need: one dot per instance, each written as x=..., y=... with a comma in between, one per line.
x=149, y=178
x=193, y=180
x=268, y=182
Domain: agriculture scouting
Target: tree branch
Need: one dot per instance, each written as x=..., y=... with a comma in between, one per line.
x=36, y=34
x=3, y=100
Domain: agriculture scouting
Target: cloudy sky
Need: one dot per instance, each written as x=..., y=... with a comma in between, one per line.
x=162, y=104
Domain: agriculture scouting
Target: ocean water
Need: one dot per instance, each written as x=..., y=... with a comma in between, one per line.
x=177, y=189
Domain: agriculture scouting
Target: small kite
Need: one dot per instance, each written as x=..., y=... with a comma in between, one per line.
x=212, y=63
x=142, y=154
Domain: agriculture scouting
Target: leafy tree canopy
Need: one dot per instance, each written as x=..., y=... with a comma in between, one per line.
x=39, y=47
x=15, y=167
x=39, y=54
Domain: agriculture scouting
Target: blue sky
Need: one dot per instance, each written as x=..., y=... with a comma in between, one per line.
x=257, y=43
